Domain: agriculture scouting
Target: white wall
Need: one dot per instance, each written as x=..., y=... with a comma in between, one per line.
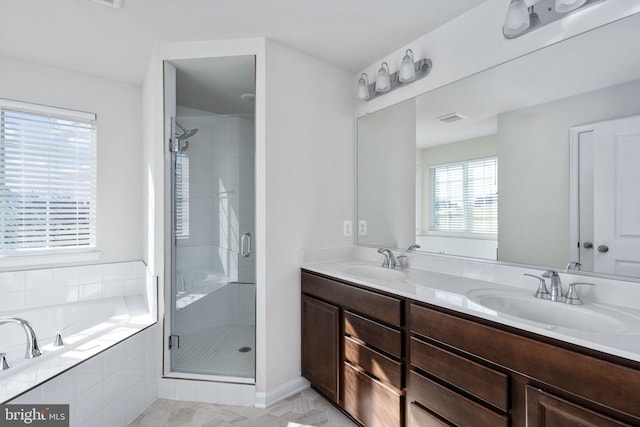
x=387, y=172
x=474, y=42
x=119, y=122
x=533, y=145
x=309, y=189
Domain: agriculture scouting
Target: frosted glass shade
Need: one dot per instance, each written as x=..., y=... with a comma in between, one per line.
x=383, y=82
x=517, y=19
x=362, y=90
x=564, y=6
x=407, y=71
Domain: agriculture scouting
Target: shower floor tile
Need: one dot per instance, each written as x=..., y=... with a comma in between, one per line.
x=224, y=350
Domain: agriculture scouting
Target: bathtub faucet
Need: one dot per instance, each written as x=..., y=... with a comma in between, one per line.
x=33, y=350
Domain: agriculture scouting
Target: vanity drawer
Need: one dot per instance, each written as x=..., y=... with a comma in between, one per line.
x=451, y=406
x=374, y=334
x=384, y=308
x=380, y=366
x=419, y=417
x=370, y=401
x=485, y=383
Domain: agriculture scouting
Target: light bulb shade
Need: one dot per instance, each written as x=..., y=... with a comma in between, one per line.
x=530, y=3
x=407, y=71
x=383, y=82
x=517, y=19
x=564, y=6
x=362, y=90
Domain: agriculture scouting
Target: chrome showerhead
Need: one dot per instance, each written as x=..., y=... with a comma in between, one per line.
x=186, y=134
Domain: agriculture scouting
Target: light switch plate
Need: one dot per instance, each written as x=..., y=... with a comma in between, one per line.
x=347, y=228
x=362, y=227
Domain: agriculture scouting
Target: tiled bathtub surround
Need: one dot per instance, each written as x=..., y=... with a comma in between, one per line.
x=105, y=370
x=43, y=287
x=110, y=389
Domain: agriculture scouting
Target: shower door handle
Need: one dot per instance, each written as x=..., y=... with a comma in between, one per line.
x=245, y=245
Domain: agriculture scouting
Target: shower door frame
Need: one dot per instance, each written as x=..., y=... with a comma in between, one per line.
x=170, y=107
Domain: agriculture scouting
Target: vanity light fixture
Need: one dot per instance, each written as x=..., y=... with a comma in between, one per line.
x=386, y=81
x=524, y=16
x=383, y=83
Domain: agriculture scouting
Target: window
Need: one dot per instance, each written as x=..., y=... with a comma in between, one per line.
x=465, y=197
x=47, y=179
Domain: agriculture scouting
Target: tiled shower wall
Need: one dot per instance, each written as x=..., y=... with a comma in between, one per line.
x=221, y=196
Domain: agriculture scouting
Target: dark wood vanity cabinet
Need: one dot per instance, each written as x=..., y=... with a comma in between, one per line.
x=468, y=373
x=368, y=364
x=390, y=361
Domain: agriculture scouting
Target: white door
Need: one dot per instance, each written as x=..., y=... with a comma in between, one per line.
x=616, y=197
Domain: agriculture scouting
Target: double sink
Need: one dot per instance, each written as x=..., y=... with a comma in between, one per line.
x=513, y=303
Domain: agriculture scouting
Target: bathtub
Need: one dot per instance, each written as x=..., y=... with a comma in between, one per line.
x=87, y=329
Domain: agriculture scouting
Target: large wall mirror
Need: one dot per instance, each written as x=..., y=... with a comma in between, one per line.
x=535, y=161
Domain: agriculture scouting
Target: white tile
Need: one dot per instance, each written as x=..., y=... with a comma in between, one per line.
x=114, y=359
x=12, y=300
x=113, y=289
x=39, y=279
x=116, y=271
x=134, y=286
x=114, y=414
x=135, y=370
x=13, y=281
x=61, y=389
x=88, y=374
x=229, y=394
x=167, y=388
x=135, y=346
x=207, y=391
x=88, y=274
x=89, y=405
x=90, y=291
x=66, y=294
x=187, y=390
x=33, y=396
x=67, y=276
x=39, y=297
x=113, y=386
x=135, y=400
x=95, y=420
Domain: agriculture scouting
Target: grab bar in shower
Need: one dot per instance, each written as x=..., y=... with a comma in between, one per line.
x=245, y=245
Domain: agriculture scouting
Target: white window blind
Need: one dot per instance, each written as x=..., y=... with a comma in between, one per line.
x=47, y=179
x=182, y=195
x=465, y=197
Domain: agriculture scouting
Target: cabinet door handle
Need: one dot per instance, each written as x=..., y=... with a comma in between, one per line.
x=587, y=245
x=603, y=248
x=245, y=245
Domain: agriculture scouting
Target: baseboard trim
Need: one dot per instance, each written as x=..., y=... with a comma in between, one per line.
x=264, y=400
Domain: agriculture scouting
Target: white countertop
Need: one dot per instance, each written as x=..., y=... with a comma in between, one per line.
x=452, y=292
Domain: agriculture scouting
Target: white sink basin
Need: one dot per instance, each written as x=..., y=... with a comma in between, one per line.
x=589, y=318
x=371, y=272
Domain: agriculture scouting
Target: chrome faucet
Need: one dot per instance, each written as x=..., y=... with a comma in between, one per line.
x=573, y=265
x=389, y=259
x=33, y=350
x=555, y=291
x=413, y=247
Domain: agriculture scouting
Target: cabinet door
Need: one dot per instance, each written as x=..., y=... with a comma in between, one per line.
x=320, y=345
x=546, y=410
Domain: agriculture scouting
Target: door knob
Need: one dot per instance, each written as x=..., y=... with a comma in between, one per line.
x=603, y=248
x=587, y=245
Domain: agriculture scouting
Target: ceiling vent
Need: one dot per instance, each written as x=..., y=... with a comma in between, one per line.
x=450, y=118
x=116, y=4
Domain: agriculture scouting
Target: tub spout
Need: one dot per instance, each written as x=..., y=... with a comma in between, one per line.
x=33, y=350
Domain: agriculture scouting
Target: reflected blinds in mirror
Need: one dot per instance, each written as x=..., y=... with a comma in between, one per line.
x=464, y=197
x=182, y=195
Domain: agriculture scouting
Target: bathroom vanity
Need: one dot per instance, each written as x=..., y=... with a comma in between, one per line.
x=395, y=354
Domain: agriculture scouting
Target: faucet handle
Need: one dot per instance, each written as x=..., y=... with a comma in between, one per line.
x=571, y=297
x=3, y=362
x=542, y=291
x=400, y=262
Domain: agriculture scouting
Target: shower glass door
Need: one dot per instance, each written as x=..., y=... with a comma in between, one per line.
x=212, y=250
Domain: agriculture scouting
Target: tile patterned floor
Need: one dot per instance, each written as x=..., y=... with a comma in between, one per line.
x=304, y=409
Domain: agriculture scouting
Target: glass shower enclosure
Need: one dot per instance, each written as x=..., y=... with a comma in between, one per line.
x=210, y=295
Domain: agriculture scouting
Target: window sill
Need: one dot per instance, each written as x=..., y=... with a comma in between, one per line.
x=42, y=260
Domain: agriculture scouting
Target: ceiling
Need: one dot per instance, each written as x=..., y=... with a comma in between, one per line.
x=87, y=37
